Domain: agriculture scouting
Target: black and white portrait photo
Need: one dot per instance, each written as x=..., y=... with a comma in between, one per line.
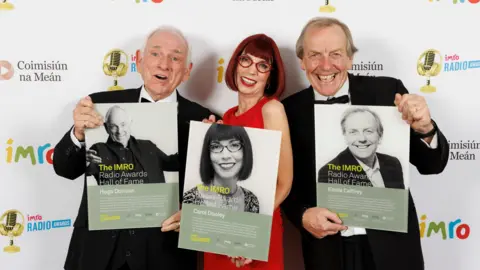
x=232, y=167
x=362, y=146
x=136, y=145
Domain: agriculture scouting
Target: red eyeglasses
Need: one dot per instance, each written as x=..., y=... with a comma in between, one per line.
x=246, y=61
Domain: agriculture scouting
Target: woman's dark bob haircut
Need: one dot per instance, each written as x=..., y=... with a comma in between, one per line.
x=218, y=132
x=261, y=46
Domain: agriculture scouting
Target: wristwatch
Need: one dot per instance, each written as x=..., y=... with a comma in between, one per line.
x=428, y=134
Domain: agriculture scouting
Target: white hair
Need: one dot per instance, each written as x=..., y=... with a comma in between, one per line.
x=110, y=111
x=172, y=30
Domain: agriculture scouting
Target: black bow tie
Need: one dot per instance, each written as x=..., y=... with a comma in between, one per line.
x=145, y=100
x=341, y=99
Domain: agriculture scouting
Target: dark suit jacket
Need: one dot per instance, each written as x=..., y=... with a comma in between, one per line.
x=391, y=250
x=151, y=248
x=390, y=168
x=152, y=160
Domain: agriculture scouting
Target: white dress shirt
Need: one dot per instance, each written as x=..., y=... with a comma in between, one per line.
x=143, y=94
x=373, y=174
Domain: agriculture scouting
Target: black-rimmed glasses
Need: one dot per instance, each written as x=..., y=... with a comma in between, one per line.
x=232, y=147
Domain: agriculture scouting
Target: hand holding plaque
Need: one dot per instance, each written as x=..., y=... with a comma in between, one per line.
x=321, y=222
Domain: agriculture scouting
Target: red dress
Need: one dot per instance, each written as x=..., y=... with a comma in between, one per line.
x=252, y=118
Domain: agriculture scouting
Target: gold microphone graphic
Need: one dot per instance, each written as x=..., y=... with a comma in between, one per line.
x=11, y=228
x=114, y=67
x=327, y=8
x=426, y=66
x=6, y=6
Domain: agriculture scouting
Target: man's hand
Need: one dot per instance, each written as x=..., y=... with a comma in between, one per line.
x=320, y=222
x=211, y=120
x=415, y=111
x=172, y=223
x=84, y=116
x=91, y=156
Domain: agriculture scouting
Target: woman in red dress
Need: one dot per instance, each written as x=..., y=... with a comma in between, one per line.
x=256, y=72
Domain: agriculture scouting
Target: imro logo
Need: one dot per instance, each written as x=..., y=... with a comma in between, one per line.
x=431, y=63
x=12, y=225
x=42, y=154
x=220, y=70
x=451, y=230
x=147, y=1
x=37, y=223
x=133, y=61
x=460, y=1
x=454, y=62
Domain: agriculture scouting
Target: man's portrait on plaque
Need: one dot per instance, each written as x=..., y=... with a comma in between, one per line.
x=125, y=158
x=132, y=165
x=367, y=158
x=362, y=164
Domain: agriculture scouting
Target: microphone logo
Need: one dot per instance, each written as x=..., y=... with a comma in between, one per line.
x=114, y=66
x=9, y=226
x=5, y=6
x=327, y=8
x=428, y=67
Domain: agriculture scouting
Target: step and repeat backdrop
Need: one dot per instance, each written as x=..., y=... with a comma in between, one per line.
x=52, y=54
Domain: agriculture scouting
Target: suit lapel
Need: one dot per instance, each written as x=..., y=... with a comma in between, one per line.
x=145, y=161
x=347, y=158
x=306, y=129
x=132, y=96
x=181, y=110
x=308, y=100
x=306, y=112
x=388, y=172
x=359, y=95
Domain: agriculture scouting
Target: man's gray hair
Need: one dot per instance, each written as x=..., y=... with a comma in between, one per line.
x=111, y=110
x=172, y=30
x=351, y=111
x=324, y=22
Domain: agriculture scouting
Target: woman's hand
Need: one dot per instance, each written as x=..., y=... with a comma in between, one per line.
x=172, y=223
x=240, y=261
x=211, y=120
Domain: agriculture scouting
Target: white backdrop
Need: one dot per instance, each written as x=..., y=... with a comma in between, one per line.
x=78, y=34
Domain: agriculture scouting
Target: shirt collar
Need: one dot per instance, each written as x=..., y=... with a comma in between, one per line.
x=343, y=91
x=376, y=165
x=146, y=95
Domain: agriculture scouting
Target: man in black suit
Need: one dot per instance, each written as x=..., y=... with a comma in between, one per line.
x=121, y=147
x=163, y=65
x=325, y=49
x=362, y=129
